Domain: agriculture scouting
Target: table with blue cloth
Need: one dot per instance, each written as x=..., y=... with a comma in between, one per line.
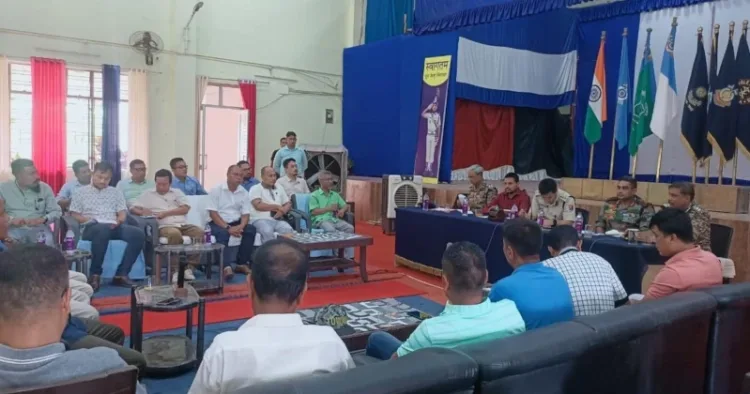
x=422, y=236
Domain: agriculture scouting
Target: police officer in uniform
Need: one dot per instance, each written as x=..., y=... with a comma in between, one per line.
x=557, y=206
x=625, y=211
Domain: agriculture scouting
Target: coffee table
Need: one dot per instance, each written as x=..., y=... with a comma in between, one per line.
x=167, y=355
x=334, y=240
x=210, y=250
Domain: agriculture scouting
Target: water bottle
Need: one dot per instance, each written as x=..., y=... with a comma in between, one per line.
x=207, y=234
x=579, y=224
x=513, y=212
x=41, y=237
x=540, y=218
x=465, y=206
x=69, y=243
x=425, y=202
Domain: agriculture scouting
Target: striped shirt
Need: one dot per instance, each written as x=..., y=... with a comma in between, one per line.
x=464, y=324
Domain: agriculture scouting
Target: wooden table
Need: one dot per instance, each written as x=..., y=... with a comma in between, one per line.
x=336, y=241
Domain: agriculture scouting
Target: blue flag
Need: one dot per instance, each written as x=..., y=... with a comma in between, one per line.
x=623, y=98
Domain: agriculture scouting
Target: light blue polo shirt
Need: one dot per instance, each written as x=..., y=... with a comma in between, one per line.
x=464, y=324
x=540, y=293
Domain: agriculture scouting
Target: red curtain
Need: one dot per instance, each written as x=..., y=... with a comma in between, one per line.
x=250, y=99
x=483, y=135
x=48, y=124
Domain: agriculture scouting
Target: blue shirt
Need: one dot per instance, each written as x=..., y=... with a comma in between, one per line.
x=66, y=192
x=540, y=293
x=247, y=184
x=74, y=330
x=191, y=186
x=299, y=156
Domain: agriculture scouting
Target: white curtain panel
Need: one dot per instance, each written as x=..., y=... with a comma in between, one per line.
x=4, y=116
x=138, y=145
x=201, y=84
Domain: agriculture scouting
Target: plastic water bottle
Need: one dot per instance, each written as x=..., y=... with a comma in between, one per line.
x=540, y=218
x=425, y=202
x=69, y=243
x=207, y=234
x=579, y=224
x=465, y=206
x=41, y=237
x=513, y=212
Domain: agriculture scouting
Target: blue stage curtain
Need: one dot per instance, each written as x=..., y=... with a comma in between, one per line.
x=632, y=7
x=588, y=48
x=111, y=119
x=385, y=18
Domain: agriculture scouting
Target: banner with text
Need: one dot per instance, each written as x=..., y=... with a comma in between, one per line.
x=430, y=133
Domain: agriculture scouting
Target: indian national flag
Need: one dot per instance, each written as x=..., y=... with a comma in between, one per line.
x=597, y=111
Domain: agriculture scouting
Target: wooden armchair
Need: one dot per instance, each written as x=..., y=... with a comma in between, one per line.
x=119, y=381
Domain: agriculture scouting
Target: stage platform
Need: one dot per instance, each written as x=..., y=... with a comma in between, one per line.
x=728, y=204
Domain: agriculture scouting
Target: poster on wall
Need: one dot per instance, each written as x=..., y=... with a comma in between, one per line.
x=430, y=133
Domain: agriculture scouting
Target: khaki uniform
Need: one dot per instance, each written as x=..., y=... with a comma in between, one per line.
x=563, y=208
x=701, y=221
x=480, y=196
x=620, y=216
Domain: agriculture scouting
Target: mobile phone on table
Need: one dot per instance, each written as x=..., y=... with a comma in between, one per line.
x=169, y=301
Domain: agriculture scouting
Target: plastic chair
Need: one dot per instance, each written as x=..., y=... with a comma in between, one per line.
x=721, y=239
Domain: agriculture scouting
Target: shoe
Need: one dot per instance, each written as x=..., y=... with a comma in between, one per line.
x=95, y=281
x=242, y=269
x=188, y=276
x=122, y=281
x=228, y=273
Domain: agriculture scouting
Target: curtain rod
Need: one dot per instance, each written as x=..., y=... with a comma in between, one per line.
x=81, y=66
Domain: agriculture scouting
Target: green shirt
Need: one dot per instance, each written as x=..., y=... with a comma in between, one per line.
x=464, y=324
x=29, y=204
x=319, y=199
x=132, y=190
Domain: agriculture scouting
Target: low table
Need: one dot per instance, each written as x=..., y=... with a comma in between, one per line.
x=80, y=258
x=167, y=355
x=334, y=240
x=210, y=250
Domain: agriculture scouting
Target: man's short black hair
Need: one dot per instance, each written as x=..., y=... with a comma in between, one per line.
x=173, y=163
x=465, y=266
x=524, y=236
x=685, y=188
x=32, y=278
x=288, y=161
x=291, y=134
x=512, y=175
x=135, y=162
x=562, y=237
x=78, y=164
x=103, y=167
x=282, y=139
x=18, y=165
x=629, y=179
x=547, y=186
x=279, y=271
x=243, y=162
x=673, y=221
x=163, y=173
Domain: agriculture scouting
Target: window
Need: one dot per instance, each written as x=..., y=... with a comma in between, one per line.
x=84, y=111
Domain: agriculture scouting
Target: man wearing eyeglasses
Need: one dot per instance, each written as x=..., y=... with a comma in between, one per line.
x=137, y=184
x=29, y=204
x=189, y=185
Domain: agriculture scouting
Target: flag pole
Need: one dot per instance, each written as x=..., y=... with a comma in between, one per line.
x=614, y=134
x=707, y=167
x=737, y=148
x=635, y=164
x=695, y=169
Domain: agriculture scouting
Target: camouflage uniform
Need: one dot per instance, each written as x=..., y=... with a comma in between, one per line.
x=616, y=215
x=701, y=221
x=480, y=196
x=563, y=208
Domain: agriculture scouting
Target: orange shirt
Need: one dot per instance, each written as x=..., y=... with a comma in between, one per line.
x=690, y=269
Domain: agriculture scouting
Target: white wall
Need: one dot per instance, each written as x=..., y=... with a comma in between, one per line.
x=299, y=40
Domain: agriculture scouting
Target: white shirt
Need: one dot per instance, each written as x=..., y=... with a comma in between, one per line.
x=229, y=205
x=433, y=121
x=266, y=348
x=276, y=196
x=298, y=185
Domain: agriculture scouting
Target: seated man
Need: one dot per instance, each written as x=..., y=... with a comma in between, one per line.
x=594, y=285
x=269, y=204
x=540, y=293
x=34, y=312
x=689, y=267
x=229, y=210
x=101, y=210
x=513, y=196
x=682, y=197
x=555, y=205
x=30, y=204
x=169, y=206
x=187, y=184
x=275, y=344
x=328, y=209
x=137, y=184
x=82, y=173
x=248, y=180
x=625, y=211
x=480, y=193
x=467, y=318
x=291, y=182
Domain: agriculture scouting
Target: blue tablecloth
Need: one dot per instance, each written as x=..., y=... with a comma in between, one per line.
x=422, y=236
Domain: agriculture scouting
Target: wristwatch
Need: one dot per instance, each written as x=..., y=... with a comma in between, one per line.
x=554, y=222
x=227, y=227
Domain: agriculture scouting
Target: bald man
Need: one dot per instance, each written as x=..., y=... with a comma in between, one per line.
x=269, y=206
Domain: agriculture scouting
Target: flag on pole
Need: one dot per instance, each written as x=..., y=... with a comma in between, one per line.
x=743, y=91
x=694, y=112
x=666, y=104
x=722, y=115
x=623, y=96
x=596, y=114
x=644, y=100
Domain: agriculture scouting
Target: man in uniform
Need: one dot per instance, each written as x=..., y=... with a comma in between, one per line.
x=681, y=196
x=433, y=133
x=625, y=211
x=557, y=206
x=480, y=193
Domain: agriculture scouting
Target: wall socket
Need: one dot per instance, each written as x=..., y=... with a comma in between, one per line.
x=329, y=116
